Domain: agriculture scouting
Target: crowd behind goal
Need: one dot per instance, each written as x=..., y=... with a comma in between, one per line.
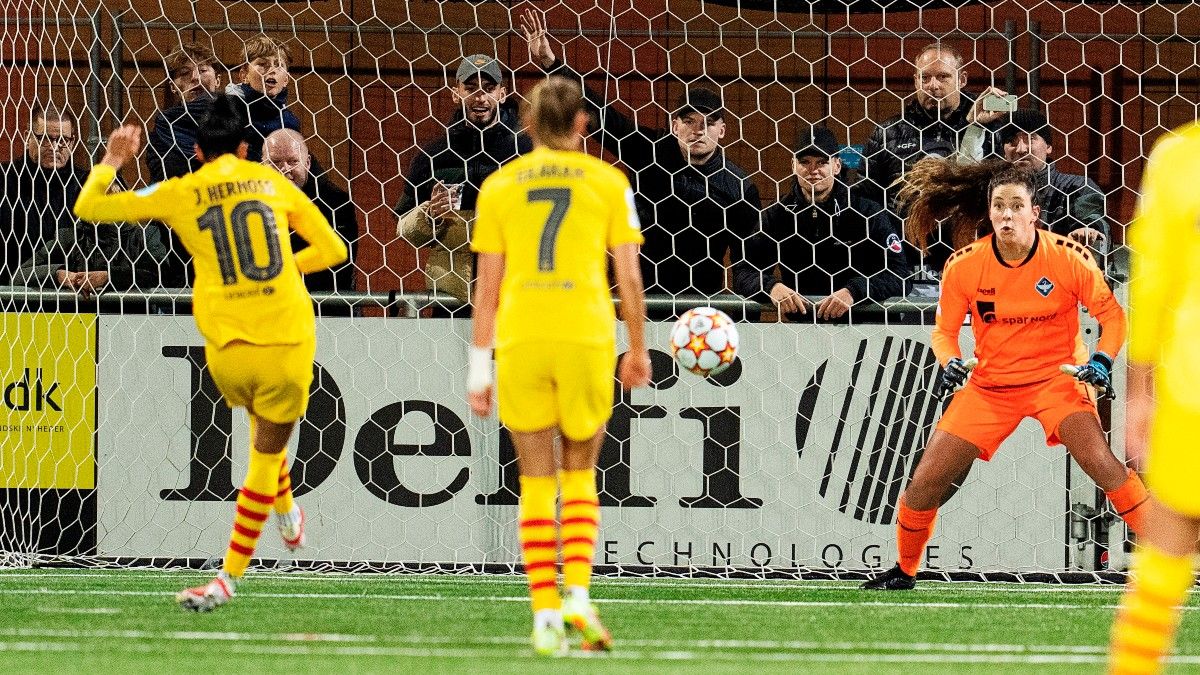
x=834, y=240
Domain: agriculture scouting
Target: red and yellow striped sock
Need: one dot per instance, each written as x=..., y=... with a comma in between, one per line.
x=539, y=541
x=1145, y=627
x=913, y=531
x=283, y=497
x=580, y=525
x=253, y=506
x=1130, y=500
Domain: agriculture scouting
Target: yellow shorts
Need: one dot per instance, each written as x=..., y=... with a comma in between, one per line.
x=1173, y=465
x=544, y=385
x=270, y=381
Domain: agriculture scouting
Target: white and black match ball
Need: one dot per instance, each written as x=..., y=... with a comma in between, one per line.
x=704, y=341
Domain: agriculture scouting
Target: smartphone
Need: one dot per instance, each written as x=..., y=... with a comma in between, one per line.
x=994, y=103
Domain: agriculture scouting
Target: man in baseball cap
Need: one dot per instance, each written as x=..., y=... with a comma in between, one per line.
x=479, y=87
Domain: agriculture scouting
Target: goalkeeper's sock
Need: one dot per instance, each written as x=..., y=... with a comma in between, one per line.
x=1149, y=615
x=253, y=506
x=1130, y=500
x=913, y=531
x=539, y=540
x=580, y=525
x=283, y=497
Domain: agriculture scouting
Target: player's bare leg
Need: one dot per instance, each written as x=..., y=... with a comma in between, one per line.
x=946, y=459
x=580, y=527
x=254, y=504
x=1084, y=438
x=539, y=536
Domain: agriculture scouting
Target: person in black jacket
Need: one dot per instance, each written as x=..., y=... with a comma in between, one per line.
x=443, y=181
x=828, y=242
x=696, y=206
x=1072, y=205
x=194, y=74
x=89, y=259
x=285, y=151
x=930, y=125
x=40, y=188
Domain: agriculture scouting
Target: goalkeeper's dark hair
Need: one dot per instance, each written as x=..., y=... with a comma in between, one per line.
x=938, y=190
x=222, y=127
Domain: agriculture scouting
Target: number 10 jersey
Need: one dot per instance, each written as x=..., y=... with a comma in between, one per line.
x=233, y=216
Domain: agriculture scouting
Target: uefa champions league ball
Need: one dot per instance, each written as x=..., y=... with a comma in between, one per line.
x=704, y=341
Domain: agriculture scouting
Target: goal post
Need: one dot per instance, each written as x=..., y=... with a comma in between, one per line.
x=116, y=449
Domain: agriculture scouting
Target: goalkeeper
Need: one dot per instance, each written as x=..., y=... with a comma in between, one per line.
x=251, y=305
x=1022, y=287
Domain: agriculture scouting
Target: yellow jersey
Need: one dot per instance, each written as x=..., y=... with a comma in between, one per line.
x=233, y=216
x=554, y=214
x=1164, y=284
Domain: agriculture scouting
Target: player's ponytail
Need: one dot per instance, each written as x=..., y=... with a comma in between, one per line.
x=938, y=189
x=550, y=113
x=222, y=127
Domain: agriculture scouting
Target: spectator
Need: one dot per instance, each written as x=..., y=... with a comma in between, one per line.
x=1072, y=205
x=264, y=88
x=443, y=181
x=928, y=126
x=89, y=259
x=827, y=241
x=285, y=151
x=696, y=206
x=194, y=75
x=40, y=188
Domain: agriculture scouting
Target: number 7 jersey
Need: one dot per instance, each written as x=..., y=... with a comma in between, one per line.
x=554, y=214
x=233, y=216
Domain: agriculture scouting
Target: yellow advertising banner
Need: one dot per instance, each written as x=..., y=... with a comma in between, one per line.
x=47, y=401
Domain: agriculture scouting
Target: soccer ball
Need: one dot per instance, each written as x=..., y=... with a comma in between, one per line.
x=704, y=341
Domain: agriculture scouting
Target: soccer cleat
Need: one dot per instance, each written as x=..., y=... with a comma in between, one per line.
x=291, y=528
x=207, y=597
x=583, y=617
x=550, y=641
x=892, y=580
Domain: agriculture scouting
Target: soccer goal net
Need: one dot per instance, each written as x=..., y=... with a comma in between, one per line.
x=115, y=446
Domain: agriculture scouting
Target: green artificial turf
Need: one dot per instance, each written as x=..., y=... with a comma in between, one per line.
x=126, y=621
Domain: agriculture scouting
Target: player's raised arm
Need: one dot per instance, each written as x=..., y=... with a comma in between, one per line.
x=96, y=205
x=326, y=247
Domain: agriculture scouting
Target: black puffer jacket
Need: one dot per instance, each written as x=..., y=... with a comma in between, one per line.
x=691, y=215
x=465, y=154
x=1069, y=202
x=132, y=255
x=36, y=204
x=845, y=241
x=904, y=139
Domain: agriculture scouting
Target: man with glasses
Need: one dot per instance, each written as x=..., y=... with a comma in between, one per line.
x=40, y=188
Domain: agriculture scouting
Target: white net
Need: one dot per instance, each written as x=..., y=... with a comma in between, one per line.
x=790, y=463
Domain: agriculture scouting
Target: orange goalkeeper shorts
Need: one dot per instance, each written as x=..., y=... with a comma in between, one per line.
x=985, y=417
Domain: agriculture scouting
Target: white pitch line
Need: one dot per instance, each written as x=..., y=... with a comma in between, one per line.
x=628, y=655
x=765, y=584
x=773, y=645
x=625, y=601
x=78, y=610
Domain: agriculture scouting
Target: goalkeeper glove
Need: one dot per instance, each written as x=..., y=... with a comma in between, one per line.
x=953, y=376
x=1096, y=372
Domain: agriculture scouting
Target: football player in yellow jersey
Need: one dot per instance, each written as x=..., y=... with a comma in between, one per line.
x=249, y=301
x=1163, y=408
x=546, y=225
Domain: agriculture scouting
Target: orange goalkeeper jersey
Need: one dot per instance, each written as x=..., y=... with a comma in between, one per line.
x=1025, y=314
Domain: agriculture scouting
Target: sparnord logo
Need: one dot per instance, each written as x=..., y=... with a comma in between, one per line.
x=885, y=416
